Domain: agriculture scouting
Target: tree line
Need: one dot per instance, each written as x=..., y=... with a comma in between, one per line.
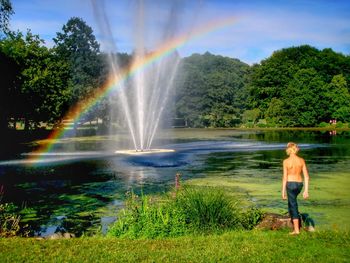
x=295, y=87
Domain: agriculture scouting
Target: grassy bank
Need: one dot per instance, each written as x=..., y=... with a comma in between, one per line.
x=246, y=246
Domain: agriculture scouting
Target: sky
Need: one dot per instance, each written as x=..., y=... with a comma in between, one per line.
x=260, y=27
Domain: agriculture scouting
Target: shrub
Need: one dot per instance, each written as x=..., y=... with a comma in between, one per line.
x=323, y=124
x=251, y=218
x=208, y=210
x=142, y=219
x=339, y=125
x=9, y=221
x=191, y=211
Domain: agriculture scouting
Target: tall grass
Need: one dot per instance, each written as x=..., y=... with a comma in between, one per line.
x=191, y=211
x=9, y=220
x=207, y=210
x=144, y=219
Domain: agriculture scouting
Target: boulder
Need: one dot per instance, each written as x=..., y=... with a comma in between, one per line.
x=60, y=235
x=274, y=221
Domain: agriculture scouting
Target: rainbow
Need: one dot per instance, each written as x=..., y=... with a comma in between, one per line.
x=162, y=51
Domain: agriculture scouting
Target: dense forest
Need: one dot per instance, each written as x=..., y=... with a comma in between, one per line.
x=295, y=87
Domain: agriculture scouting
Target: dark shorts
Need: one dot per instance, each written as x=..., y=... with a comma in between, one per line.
x=293, y=189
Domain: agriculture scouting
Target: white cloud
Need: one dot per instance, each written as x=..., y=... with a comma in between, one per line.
x=261, y=28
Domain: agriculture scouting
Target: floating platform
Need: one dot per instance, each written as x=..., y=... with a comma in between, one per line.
x=139, y=152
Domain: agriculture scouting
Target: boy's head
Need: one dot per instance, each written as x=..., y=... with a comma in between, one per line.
x=292, y=148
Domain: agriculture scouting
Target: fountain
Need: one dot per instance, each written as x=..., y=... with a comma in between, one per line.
x=75, y=183
x=143, y=95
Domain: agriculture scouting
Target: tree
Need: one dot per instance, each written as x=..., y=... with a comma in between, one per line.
x=9, y=70
x=190, y=95
x=251, y=116
x=291, y=88
x=5, y=12
x=37, y=89
x=273, y=75
x=338, y=97
x=304, y=99
x=275, y=111
x=212, y=90
x=78, y=47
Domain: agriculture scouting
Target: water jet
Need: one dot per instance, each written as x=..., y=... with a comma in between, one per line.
x=141, y=99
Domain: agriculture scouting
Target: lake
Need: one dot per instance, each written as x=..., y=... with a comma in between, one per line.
x=81, y=183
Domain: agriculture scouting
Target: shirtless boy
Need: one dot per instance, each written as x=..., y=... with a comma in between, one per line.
x=292, y=183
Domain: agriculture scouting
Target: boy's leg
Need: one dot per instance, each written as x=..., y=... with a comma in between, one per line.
x=292, y=192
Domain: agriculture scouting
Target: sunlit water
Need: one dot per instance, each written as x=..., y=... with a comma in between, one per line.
x=81, y=191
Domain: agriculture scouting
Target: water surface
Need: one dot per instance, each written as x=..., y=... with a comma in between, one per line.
x=79, y=186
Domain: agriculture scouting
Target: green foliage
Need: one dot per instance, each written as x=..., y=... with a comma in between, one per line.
x=144, y=219
x=339, y=125
x=6, y=11
x=323, y=125
x=192, y=211
x=10, y=70
x=36, y=84
x=302, y=99
x=302, y=86
x=9, y=220
x=211, y=90
x=251, y=217
x=77, y=46
x=338, y=96
x=296, y=86
x=208, y=210
x=251, y=116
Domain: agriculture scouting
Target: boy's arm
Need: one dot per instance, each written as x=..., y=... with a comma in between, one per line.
x=306, y=181
x=284, y=180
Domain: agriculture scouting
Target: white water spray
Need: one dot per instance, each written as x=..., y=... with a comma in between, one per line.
x=143, y=97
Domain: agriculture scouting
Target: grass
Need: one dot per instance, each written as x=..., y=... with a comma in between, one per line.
x=199, y=210
x=234, y=246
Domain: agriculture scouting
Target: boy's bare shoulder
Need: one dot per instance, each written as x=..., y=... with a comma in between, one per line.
x=286, y=161
x=301, y=159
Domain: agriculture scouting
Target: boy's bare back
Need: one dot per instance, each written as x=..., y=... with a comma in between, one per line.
x=293, y=168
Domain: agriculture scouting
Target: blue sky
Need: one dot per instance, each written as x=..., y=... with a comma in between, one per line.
x=261, y=28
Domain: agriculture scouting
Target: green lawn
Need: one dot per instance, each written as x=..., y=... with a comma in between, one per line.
x=247, y=246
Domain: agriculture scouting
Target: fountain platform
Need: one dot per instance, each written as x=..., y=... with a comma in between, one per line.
x=142, y=152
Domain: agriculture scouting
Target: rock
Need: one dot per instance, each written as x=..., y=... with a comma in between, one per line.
x=59, y=235
x=275, y=221
x=68, y=235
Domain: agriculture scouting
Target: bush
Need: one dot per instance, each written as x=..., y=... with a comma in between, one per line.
x=9, y=221
x=191, y=211
x=323, y=125
x=339, y=125
x=251, y=218
x=208, y=210
x=143, y=219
